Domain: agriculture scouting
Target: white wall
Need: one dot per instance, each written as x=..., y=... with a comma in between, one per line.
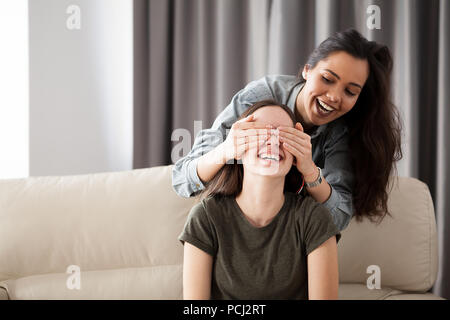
x=81, y=97
x=13, y=89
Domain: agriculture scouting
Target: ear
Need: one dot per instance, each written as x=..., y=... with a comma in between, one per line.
x=305, y=71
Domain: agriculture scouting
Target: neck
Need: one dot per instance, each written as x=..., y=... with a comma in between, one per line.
x=261, y=198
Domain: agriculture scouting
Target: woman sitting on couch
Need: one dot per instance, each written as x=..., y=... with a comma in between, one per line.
x=251, y=236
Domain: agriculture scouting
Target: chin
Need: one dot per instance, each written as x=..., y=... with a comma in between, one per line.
x=273, y=170
x=268, y=168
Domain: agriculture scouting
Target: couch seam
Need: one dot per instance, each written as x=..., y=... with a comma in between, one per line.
x=427, y=196
x=49, y=273
x=429, y=235
x=391, y=293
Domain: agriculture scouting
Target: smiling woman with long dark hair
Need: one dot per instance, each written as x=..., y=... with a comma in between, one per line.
x=347, y=135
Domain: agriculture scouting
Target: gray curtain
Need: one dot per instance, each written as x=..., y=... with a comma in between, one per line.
x=192, y=56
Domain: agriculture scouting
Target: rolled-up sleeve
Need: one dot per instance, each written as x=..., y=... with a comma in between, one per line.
x=339, y=174
x=185, y=179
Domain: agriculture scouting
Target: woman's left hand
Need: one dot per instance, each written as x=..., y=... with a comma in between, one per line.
x=298, y=143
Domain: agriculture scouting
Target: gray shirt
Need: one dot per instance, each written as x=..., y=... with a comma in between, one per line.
x=251, y=262
x=330, y=149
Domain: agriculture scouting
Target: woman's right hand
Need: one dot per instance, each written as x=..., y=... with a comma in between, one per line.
x=244, y=135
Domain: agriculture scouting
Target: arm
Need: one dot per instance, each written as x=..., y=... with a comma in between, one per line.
x=299, y=144
x=244, y=134
x=209, y=164
x=189, y=171
x=320, y=193
x=197, y=269
x=339, y=174
x=323, y=276
x=335, y=191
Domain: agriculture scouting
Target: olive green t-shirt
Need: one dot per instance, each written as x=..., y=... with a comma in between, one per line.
x=259, y=262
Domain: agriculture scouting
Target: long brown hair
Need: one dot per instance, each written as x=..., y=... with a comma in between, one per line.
x=228, y=180
x=374, y=123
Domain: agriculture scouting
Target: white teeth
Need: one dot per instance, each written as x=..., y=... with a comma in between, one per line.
x=269, y=157
x=325, y=106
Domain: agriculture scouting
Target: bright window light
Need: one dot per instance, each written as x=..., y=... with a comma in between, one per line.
x=14, y=99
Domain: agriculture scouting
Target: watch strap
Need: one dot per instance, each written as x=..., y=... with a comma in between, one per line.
x=317, y=182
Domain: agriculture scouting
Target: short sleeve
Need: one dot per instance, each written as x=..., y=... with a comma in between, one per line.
x=199, y=231
x=317, y=225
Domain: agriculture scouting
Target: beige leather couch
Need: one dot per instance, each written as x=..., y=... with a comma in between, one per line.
x=120, y=229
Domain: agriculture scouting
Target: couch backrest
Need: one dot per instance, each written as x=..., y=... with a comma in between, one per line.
x=121, y=229
x=123, y=224
x=402, y=247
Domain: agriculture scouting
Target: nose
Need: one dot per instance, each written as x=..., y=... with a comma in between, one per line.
x=273, y=142
x=333, y=96
x=273, y=137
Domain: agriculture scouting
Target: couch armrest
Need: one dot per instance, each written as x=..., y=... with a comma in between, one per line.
x=3, y=294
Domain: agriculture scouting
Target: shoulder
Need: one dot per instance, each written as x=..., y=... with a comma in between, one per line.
x=214, y=202
x=197, y=212
x=210, y=206
x=336, y=130
x=306, y=207
x=304, y=203
x=200, y=218
x=314, y=218
x=281, y=85
x=338, y=126
x=272, y=86
x=284, y=80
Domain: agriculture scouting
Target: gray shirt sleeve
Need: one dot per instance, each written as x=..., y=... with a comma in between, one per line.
x=185, y=180
x=339, y=174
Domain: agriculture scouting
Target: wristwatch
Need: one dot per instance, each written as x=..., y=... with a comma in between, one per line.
x=317, y=182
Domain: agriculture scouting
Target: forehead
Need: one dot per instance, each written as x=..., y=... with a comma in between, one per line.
x=273, y=115
x=347, y=67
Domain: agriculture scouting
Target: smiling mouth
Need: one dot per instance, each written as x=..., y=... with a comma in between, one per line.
x=323, y=107
x=270, y=156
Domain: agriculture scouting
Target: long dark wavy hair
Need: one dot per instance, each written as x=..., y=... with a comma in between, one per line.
x=374, y=123
x=228, y=180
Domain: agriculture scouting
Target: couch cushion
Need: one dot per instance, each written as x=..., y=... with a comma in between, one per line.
x=361, y=292
x=100, y=221
x=414, y=296
x=404, y=246
x=356, y=291
x=158, y=282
